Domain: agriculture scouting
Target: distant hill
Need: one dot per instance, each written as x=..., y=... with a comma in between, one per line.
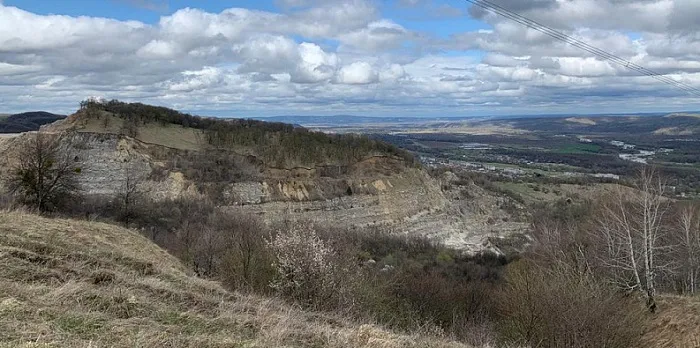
x=27, y=121
x=336, y=120
x=350, y=120
x=658, y=124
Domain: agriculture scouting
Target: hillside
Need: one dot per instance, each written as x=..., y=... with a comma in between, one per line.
x=28, y=121
x=276, y=144
x=672, y=124
x=274, y=170
x=67, y=283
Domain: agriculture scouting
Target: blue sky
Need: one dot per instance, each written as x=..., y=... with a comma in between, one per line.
x=411, y=17
x=365, y=57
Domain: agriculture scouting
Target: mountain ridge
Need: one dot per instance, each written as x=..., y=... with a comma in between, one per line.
x=27, y=121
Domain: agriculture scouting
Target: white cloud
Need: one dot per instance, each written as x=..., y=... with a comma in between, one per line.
x=358, y=73
x=204, y=78
x=376, y=36
x=157, y=49
x=319, y=56
x=315, y=65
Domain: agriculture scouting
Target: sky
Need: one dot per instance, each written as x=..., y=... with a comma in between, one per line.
x=361, y=57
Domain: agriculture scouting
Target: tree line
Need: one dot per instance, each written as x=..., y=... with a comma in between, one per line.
x=277, y=144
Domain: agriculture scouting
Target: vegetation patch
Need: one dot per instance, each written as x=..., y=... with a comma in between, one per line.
x=580, y=148
x=276, y=144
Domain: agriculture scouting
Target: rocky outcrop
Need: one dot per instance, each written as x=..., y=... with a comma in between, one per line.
x=371, y=193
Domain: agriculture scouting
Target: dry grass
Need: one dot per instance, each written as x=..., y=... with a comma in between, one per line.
x=171, y=136
x=66, y=283
x=676, y=325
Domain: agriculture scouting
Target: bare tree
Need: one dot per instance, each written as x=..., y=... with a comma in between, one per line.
x=631, y=227
x=44, y=173
x=131, y=192
x=687, y=238
x=208, y=251
x=247, y=262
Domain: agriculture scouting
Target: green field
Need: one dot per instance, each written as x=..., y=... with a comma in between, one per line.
x=579, y=148
x=532, y=193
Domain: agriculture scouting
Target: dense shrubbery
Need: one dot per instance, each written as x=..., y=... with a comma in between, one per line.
x=277, y=144
x=555, y=306
x=370, y=274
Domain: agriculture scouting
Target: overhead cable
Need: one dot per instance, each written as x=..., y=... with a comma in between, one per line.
x=501, y=11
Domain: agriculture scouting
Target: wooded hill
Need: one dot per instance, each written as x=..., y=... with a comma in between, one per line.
x=28, y=121
x=274, y=143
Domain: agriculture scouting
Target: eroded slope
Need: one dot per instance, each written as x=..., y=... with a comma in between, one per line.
x=333, y=186
x=66, y=283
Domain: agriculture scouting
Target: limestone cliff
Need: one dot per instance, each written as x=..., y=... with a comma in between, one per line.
x=377, y=190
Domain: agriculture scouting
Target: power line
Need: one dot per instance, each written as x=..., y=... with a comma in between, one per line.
x=499, y=10
x=580, y=44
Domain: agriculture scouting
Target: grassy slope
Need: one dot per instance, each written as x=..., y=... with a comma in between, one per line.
x=66, y=283
x=676, y=325
x=172, y=136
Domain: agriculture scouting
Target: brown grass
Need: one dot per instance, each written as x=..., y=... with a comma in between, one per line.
x=67, y=283
x=676, y=325
x=172, y=136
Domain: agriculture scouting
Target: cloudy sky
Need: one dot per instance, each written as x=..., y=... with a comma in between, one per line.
x=364, y=57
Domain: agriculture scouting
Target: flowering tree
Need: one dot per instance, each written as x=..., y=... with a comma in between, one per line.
x=306, y=265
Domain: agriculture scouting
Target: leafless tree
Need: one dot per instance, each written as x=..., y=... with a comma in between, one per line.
x=209, y=249
x=247, y=262
x=631, y=227
x=131, y=192
x=687, y=239
x=555, y=306
x=44, y=173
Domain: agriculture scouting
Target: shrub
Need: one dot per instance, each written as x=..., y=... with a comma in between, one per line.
x=44, y=175
x=559, y=307
x=308, y=269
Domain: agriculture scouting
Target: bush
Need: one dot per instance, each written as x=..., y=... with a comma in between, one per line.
x=558, y=307
x=245, y=262
x=308, y=269
x=44, y=176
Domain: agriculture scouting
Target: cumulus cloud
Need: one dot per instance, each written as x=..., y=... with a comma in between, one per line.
x=347, y=56
x=358, y=73
x=376, y=36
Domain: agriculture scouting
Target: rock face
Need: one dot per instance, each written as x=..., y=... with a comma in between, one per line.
x=407, y=201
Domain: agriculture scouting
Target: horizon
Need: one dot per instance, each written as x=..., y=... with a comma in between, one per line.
x=414, y=58
x=436, y=117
